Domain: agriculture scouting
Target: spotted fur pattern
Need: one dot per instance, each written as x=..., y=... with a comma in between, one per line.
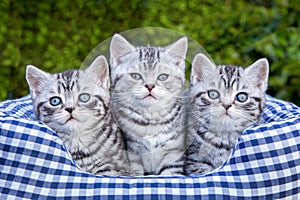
x=76, y=104
x=148, y=104
x=224, y=101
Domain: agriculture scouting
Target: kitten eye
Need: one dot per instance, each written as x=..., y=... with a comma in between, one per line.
x=84, y=97
x=163, y=77
x=213, y=94
x=55, y=101
x=136, y=76
x=241, y=97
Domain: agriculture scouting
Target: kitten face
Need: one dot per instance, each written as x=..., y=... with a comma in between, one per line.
x=228, y=97
x=72, y=101
x=148, y=85
x=147, y=76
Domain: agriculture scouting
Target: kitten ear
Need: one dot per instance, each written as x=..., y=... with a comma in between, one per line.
x=201, y=67
x=36, y=79
x=258, y=73
x=119, y=46
x=179, y=48
x=99, y=69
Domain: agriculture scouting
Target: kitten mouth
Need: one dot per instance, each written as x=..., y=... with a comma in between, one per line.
x=226, y=114
x=149, y=96
x=71, y=118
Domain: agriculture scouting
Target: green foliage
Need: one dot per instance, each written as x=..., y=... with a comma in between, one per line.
x=58, y=35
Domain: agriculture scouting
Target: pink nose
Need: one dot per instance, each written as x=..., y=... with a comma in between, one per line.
x=150, y=86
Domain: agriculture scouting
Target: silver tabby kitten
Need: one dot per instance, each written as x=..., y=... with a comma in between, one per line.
x=148, y=104
x=224, y=100
x=76, y=104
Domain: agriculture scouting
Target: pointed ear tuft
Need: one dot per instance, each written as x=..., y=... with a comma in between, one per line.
x=100, y=70
x=179, y=48
x=36, y=79
x=201, y=67
x=119, y=46
x=258, y=73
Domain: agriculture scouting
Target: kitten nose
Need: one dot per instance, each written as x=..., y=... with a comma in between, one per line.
x=149, y=86
x=226, y=106
x=69, y=110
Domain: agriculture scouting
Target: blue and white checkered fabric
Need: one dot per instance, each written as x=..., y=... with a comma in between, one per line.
x=265, y=163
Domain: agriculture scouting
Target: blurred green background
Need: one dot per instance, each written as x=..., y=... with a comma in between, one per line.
x=58, y=35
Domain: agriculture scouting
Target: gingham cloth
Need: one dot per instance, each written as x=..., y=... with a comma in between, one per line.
x=265, y=163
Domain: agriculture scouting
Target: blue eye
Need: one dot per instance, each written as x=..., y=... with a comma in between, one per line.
x=163, y=77
x=213, y=94
x=136, y=76
x=242, y=97
x=55, y=101
x=84, y=97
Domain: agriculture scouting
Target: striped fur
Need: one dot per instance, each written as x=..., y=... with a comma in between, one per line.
x=83, y=118
x=148, y=104
x=217, y=119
